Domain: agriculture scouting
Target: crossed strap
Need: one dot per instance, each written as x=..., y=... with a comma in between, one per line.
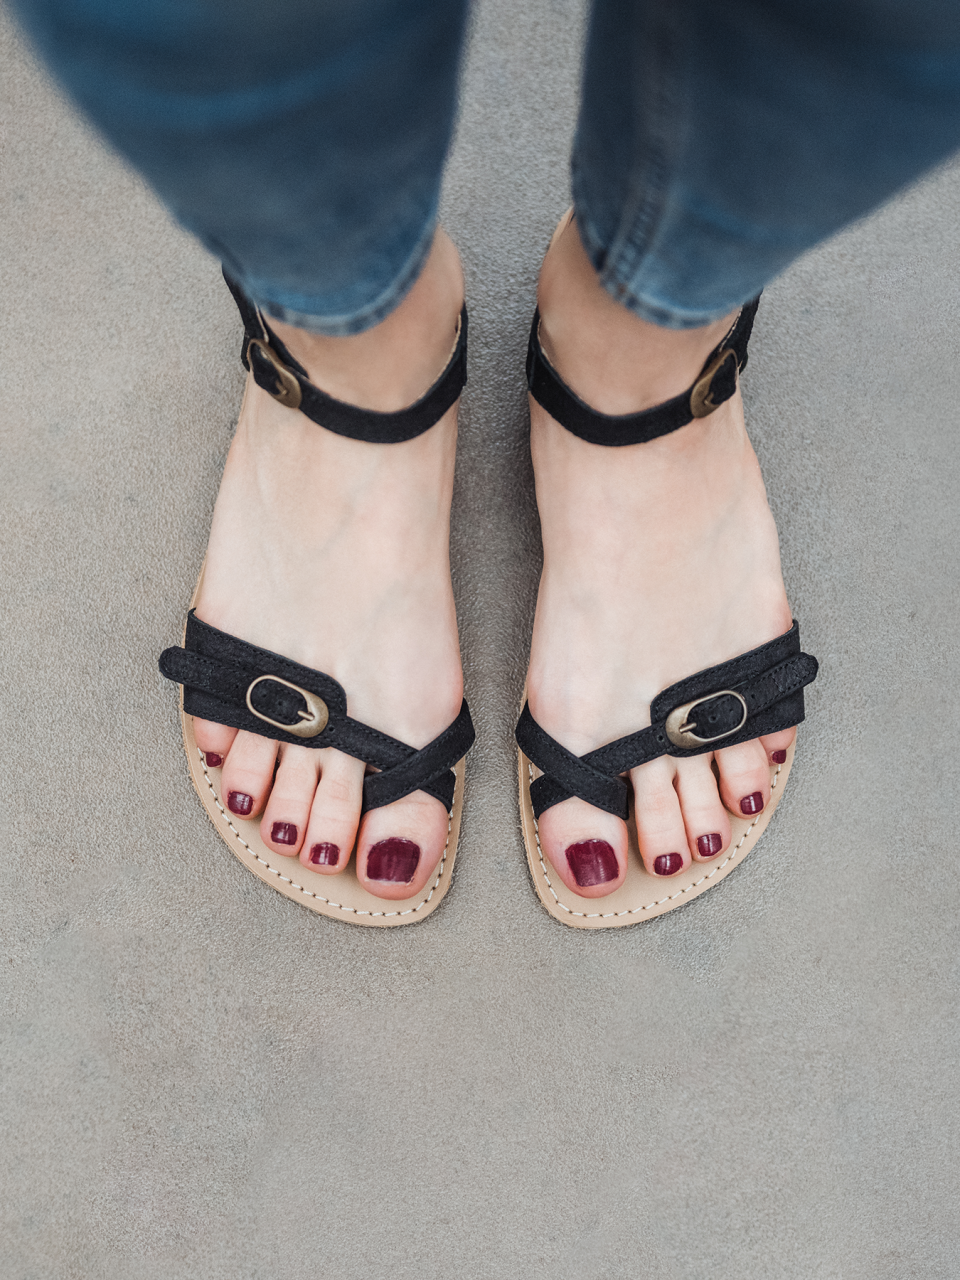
x=758, y=693
x=281, y=376
x=716, y=382
x=231, y=682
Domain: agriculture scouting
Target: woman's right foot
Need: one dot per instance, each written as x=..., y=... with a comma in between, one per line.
x=335, y=553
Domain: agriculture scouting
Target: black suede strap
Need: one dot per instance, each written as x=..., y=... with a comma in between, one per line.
x=759, y=692
x=231, y=682
x=275, y=369
x=716, y=383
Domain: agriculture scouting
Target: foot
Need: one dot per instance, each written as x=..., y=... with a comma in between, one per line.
x=335, y=553
x=660, y=559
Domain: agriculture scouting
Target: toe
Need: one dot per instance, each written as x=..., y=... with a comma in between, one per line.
x=776, y=745
x=214, y=740
x=248, y=774
x=744, y=778
x=284, y=821
x=660, y=829
x=400, y=846
x=704, y=817
x=585, y=846
x=332, y=829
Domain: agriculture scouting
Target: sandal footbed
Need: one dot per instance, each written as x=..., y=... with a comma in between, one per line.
x=641, y=896
x=341, y=896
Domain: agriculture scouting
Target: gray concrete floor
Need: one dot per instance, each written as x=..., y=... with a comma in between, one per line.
x=201, y=1079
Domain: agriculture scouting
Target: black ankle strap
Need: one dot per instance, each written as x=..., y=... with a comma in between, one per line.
x=758, y=693
x=716, y=383
x=275, y=369
x=231, y=682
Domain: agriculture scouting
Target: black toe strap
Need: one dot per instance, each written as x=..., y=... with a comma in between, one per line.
x=275, y=369
x=758, y=693
x=716, y=382
x=231, y=682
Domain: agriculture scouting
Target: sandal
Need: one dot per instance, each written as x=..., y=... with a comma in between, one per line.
x=233, y=683
x=755, y=694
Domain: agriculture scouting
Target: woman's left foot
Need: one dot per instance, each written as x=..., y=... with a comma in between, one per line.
x=660, y=559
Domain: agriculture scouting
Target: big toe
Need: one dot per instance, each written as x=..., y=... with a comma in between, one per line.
x=401, y=846
x=586, y=847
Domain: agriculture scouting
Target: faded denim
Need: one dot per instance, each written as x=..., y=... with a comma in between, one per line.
x=303, y=141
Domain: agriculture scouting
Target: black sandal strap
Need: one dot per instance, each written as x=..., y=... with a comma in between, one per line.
x=755, y=694
x=275, y=369
x=234, y=683
x=716, y=382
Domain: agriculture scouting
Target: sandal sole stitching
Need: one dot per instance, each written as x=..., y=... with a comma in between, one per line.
x=357, y=911
x=629, y=911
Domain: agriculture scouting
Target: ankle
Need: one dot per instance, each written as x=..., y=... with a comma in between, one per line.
x=611, y=358
x=390, y=366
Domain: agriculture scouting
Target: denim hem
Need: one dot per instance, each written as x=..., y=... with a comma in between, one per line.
x=345, y=326
x=655, y=310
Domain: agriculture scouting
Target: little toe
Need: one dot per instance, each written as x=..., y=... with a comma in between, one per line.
x=585, y=846
x=660, y=830
x=400, y=845
x=248, y=774
x=214, y=740
x=284, y=821
x=776, y=745
x=704, y=817
x=744, y=778
x=332, y=829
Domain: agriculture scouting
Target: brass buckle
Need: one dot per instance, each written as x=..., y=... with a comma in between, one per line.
x=680, y=728
x=312, y=721
x=701, y=405
x=289, y=391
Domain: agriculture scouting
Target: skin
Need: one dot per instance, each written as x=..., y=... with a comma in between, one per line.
x=659, y=560
x=335, y=552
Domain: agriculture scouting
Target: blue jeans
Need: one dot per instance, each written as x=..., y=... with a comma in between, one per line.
x=303, y=141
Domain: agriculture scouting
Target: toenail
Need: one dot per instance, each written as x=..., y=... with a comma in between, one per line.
x=779, y=757
x=393, y=859
x=325, y=854
x=752, y=804
x=668, y=864
x=284, y=833
x=709, y=846
x=592, y=862
x=239, y=802
x=213, y=760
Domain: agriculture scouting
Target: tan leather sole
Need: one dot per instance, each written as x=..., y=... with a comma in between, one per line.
x=342, y=897
x=641, y=896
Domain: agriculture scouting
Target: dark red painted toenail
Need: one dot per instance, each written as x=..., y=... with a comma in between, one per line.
x=213, y=760
x=325, y=854
x=284, y=833
x=668, y=864
x=779, y=757
x=752, y=804
x=709, y=846
x=393, y=859
x=239, y=802
x=592, y=862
